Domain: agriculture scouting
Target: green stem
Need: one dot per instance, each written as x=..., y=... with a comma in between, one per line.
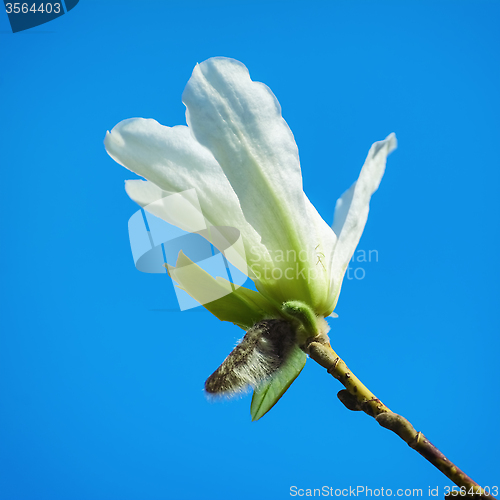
x=357, y=397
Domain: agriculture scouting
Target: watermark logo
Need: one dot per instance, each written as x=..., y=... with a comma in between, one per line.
x=156, y=242
x=356, y=269
x=26, y=15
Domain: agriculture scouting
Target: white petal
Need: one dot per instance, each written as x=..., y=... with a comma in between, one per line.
x=144, y=192
x=240, y=121
x=351, y=211
x=175, y=162
x=170, y=158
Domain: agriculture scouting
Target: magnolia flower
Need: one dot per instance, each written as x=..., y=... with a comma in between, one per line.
x=240, y=157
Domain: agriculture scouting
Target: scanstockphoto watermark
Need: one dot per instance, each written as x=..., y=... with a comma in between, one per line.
x=297, y=264
x=365, y=491
x=356, y=270
x=175, y=223
x=355, y=491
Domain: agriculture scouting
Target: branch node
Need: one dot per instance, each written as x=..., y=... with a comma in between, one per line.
x=368, y=407
x=399, y=425
x=334, y=366
x=348, y=400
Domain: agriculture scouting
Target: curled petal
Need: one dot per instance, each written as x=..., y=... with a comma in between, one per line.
x=351, y=210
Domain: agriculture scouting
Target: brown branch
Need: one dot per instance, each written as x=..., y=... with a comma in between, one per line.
x=357, y=397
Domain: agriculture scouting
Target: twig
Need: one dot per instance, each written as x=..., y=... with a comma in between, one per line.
x=357, y=397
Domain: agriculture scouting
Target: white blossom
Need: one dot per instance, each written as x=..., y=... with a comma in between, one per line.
x=240, y=156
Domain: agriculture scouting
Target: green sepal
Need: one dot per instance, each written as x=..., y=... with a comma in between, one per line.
x=268, y=394
x=241, y=306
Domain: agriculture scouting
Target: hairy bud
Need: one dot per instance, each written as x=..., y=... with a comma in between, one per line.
x=263, y=349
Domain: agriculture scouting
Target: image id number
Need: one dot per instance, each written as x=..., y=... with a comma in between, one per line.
x=24, y=8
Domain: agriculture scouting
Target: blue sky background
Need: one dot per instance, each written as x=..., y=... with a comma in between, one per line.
x=101, y=382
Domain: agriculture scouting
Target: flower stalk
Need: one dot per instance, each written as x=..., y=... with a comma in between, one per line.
x=357, y=397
